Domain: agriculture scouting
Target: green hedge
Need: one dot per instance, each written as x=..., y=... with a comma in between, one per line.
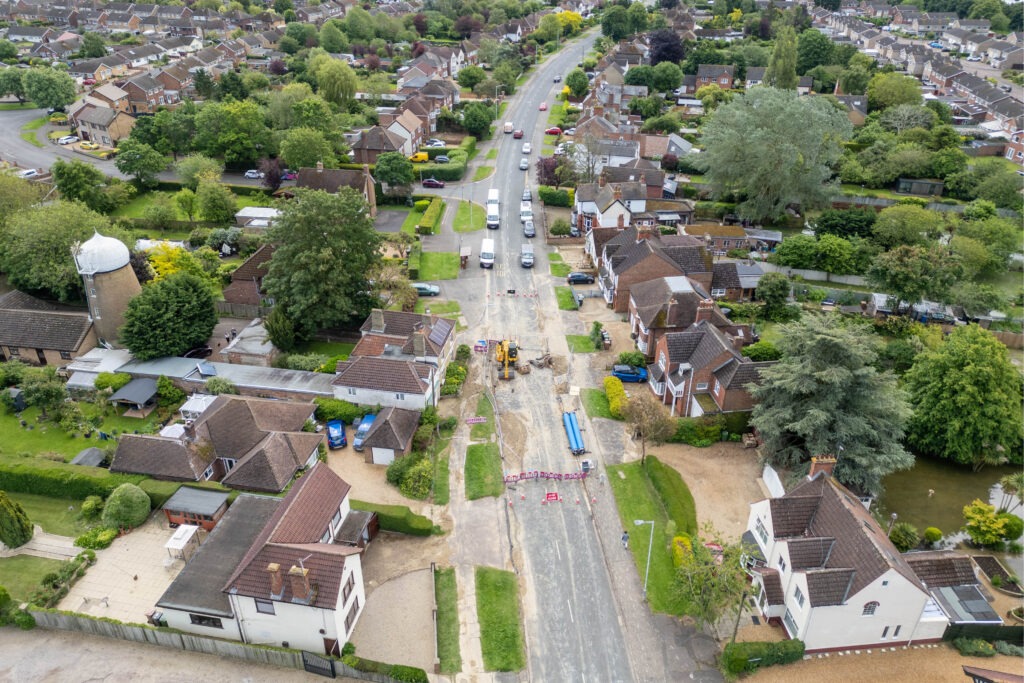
x=328, y=409
x=698, y=431
x=674, y=494
x=616, y=394
x=740, y=658
x=60, y=480
x=553, y=197
x=991, y=633
x=397, y=518
x=397, y=672
x=431, y=218
x=415, y=256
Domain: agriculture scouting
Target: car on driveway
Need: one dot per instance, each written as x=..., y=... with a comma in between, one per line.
x=518, y=135
x=578, y=278
x=88, y=81
x=570, y=132
x=553, y=130
x=974, y=58
x=437, y=144
x=543, y=106
x=253, y=174
x=433, y=182
x=362, y=430
x=627, y=373
x=937, y=45
x=67, y=140
x=426, y=289
x=524, y=164
x=441, y=159
x=88, y=145
x=336, y=434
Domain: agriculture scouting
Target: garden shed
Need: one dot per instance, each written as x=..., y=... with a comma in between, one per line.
x=195, y=506
x=91, y=457
x=138, y=393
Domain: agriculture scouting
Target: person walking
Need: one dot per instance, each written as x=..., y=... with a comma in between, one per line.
x=625, y=540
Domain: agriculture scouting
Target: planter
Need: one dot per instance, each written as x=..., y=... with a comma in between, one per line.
x=1016, y=615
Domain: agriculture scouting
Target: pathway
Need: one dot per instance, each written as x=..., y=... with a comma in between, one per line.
x=50, y=546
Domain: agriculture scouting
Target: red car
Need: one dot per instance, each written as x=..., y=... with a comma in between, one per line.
x=517, y=134
x=89, y=81
x=543, y=106
x=433, y=182
x=553, y=130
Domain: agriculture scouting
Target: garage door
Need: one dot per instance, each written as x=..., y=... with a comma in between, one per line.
x=383, y=456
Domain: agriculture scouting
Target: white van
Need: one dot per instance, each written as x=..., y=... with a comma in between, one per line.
x=493, y=212
x=493, y=195
x=508, y=127
x=525, y=212
x=487, y=253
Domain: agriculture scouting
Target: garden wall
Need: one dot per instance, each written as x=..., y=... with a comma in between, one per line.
x=818, y=275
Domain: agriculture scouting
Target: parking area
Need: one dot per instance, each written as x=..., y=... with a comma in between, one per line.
x=389, y=220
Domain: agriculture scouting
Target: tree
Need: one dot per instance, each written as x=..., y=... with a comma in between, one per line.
x=273, y=174
x=967, y=400
x=577, y=82
x=762, y=351
x=17, y=195
x=666, y=76
x=139, y=160
x=43, y=389
x=280, y=329
x=186, y=201
x=470, y=75
x=8, y=50
x=773, y=289
x=197, y=167
x=332, y=39
x=665, y=47
x=126, y=508
x=834, y=255
x=640, y=75
x=220, y=385
x=337, y=82
x=910, y=274
x=904, y=536
x=982, y=524
x=889, y=89
x=326, y=246
x=476, y=119
x=79, y=181
x=788, y=144
x=825, y=397
x=999, y=235
x=615, y=23
x=170, y=316
x=231, y=85
x=710, y=582
x=636, y=16
x=15, y=527
x=813, y=49
x=903, y=117
x=1011, y=488
x=977, y=299
x=216, y=202
x=11, y=83
x=781, y=71
x=49, y=88
x=649, y=422
x=845, y=222
x=906, y=224
x=394, y=170
x=36, y=249
x=304, y=147
x=234, y=131
x=93, y=45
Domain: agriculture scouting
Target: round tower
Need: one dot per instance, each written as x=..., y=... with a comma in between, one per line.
x=110, y=283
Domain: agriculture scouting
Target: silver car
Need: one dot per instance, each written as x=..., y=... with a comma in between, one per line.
x=524, y=164
x=527, y=195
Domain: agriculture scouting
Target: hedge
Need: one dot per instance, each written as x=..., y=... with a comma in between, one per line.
x=553, y=197
x=698, y=431
x=60, y=480
x=616, y=394
x=990, y=632
x=431, y=218
x=415, y=255
x=397, y=518
x=397, y=672
x=674, y=494
x=740, y=658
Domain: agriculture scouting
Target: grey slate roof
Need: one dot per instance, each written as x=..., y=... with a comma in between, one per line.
x=942, y=568
x=197, y=501
x=91, y=457
x=138, y=391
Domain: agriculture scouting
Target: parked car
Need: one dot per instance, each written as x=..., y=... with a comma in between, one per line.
x=574, y=231
x=435, y=144
x=527, y=195
x=578, y=278
x=364, y=427
x=527, y=148
x=441, y=159
x=543, y=106
x=529, y=230
x=419, y=158
x=28, y=173
x=553, y=130
x=524, y=164
x=88, y=81
x=88, y=145
x=433, y=182
x=570, y=132
x=67, y=140
x=974, y=58
x=253, y=174
x=627, y=373
x=199, y=352
x=336, y=437
x=518, y=135
x=435, y=141
x=426, y=289
x=937, y=45
x=289, y=174
x=558, y=79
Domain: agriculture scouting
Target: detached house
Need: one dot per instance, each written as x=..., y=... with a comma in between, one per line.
x=721, y=75
x=333, y=179
x=374, y=142
x=604, y=205
x=39, y=333
x=281, y=572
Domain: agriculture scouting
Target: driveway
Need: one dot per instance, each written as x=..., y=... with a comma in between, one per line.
x=390, y=219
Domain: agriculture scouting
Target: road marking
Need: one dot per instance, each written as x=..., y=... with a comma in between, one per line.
x=558, y=552
x=569, y=604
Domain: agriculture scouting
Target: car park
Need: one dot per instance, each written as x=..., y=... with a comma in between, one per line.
x=529, y=230
x=253, y=174
x=88, y=145
x=628, y=373
x=578, y=278
x=67, y=140
x=433, y=182
x=426, y=289
x=553, y=130
x=543, y=106
x=441, y=159
x=518, y=135
x=527, y=195
x=524, y=164
x=336, y=434
x=527, y=148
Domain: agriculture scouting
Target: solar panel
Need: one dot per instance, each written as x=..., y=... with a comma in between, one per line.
x=441, y=329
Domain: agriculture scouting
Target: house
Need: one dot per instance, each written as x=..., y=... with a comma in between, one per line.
x=256, y=218
x=246, y=285
x=330, y=180
x=40, y=333
x=830, y=574
x=378, y=380
x=104, y=126
x=145, y=94
x=200, y=507
x=390, y=435
x=721, y=75
x=718, y=239
x=407, y=126
x=30, y=34
x=606, y=205
x=284, y=572
x=374, y=142
x=176, y=81
x=111, y=96
x=396, y=334
x=243, y=442
x=701, y=370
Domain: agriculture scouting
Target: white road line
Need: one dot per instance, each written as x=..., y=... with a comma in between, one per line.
x=569, y=604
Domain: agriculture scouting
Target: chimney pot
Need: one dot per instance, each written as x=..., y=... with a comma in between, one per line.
x=299, y=577
x=601, y=180
x=704, y=310
x=821, y=464
x=617, y=192
x=276, y=580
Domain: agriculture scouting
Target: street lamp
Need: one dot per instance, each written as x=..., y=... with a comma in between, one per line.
x=496, y=89
x=650, y=544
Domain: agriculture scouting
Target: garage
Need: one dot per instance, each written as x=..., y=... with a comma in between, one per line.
x=391, y=435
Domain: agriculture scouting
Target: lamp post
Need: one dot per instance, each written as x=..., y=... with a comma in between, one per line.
x=650, y=544
x=892, y=520
x=496, y=89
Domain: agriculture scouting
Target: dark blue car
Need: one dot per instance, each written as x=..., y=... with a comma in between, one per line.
x=336, y=434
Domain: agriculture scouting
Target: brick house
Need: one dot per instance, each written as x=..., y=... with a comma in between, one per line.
x=112, y=96
x=246, y=285
x=145, y=94
x=39, y=333
x=718, y=239
x=395, y=334
x=104, y=126
x=332, y=179
x=374, y=142
x=721, y=75
x=373, y=380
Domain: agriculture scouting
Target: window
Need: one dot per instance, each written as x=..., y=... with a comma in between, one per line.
x=896, y=633
x=799, y=596
x=782, y=564
x=347, y=589
x=761, y=531
x=208, y=622
x=350, y=618
x=65, y=355
x=264, y=606
x=718, y=292
x=351, y=391
x=885, y=583
x=399, y=397
x=208, y=473
x=661, y=360
x=326, y=538
x=702, y=386
x=337, y=520
x=718, y=387
x=869, y=609
x=790, y=623
x=885, y=632
x=725, y=243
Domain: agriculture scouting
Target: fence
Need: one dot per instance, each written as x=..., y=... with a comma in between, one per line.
x=242, y=310
x=1011, y=340
x=817, y=275
x=137, y=633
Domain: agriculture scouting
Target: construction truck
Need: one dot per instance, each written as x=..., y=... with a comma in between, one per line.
x=507, y=354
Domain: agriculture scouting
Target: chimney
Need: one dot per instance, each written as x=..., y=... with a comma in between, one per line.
x=276, y=580
x=319, y=167
x=737, y=341
x=189, y=432
x=622, y=221
x=821, y=464
x=643, y=180
x=704, y=309
x=617, y=192
x=299, y=577
x=601, y=180
x=419, y=345
x=376, y=320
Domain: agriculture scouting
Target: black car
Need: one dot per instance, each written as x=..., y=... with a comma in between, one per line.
x=433, y=182
x=579, y=279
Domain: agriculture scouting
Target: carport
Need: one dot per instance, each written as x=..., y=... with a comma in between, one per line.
x=137, y=396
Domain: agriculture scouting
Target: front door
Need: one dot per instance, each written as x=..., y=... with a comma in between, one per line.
x=331, y=647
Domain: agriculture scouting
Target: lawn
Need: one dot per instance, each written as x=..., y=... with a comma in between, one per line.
x=10, y=106
x=559, y=269
x=580, y=343
x=483, y=471
x=137, y=206
x=56, y=515
x=30, y=137
x=20, y=574
x=446, y=595
x=483, y=430
x=411, y=221
x=438, y=306
x=556, y=115
x=114, y=421
x=492, y=154
x=43, y=437
x=439, y=265
x=441, y=454
x=325, y=348
x=497, y=609
x=770, y=332
x=484, y=172
x=469, y=217
x=566, y=301
x=637, y=496
x=595, y=402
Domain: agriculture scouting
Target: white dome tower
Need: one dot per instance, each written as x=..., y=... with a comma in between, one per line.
x=110, y=282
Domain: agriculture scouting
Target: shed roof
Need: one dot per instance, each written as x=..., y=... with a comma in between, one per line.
x=198, y=501
x=139, y=391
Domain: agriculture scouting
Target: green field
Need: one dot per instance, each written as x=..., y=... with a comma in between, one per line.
x=20, y=574
x=595, y=402
x=56, y=515
x=469, y=217
x=439, y=265
x=497, y=608
x=580, y=343
x=446, y=595
x=43, y=437
x=483, y=471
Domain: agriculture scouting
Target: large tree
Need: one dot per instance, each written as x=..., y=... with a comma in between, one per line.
x=781, y=72
x=326, y=247
x=710, y=580
x=912, y=273
x=234, y=131
x=967, y=400
x=170, y=316
x=394, y=170
x=336, y=82
x=49, y=88
x=140, y=161
x=665, y=47
x=304, y=147
x=198, y=167
x=15, y=527
x=11, y=83
x=825, y=397
x=577, y=82
x=93, y=45
x=775, y=149
x=813, y=49
x=890, y=89
x=906, y=224
x=615, y=23
x=17, y=194
x=79, y=181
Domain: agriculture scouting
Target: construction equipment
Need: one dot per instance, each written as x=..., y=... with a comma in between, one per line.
x=506, y=353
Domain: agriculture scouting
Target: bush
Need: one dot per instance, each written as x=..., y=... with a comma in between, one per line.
x=431, y=218
x=1009, y=649
x=126, y=508
x=60, y=480
x=595, y=334
x=421, y=205
x=1013, y=526
x=932, y=535
x=552, y=196
x=310, y=362
x=92, y=508
x=616, y=394
x=399, y=468
x=762, y=351
x=97, y=538
x=904, y=536
x=560, y=228
x=398, y=518
x=682, y=546
x=974, y=647
x=634, y=358
x=418, y=479
x=422, y=437
x=415, y=255
x=698, y=431
x=740, y=658
x=24, y=620
x=111, y=380
x=328, y=409
x=167, y=394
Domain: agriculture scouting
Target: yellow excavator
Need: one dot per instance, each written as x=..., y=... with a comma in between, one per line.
x=507, y=354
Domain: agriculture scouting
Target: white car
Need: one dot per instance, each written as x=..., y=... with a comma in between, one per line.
x=524, y=164
x=527, y=148
x=973, y=58
x=253, y=174
x=67, y=140
x=28, y=173
x=434, y=144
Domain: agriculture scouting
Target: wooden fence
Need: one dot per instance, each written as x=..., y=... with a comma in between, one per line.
x=242, y=310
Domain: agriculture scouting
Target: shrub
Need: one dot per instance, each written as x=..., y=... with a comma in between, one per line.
x=348, y=649
x=616, y=394
x=328, y=409
x=111, y=380
x=166, y=393
x=415, y=255
x=60, y=480
x=463, y=352
x=560, y=228
x=421, y=205
x=422, y=437
x=310, y=362
x=1009, y=649
x=904, y=536
x=681, y=547
x=552, y=196
x=418, y=479
x=398, y=518
x=15, y=527
x=399, y=467
x=126, y=508
x=92, y=507
x=431, y=217
x=634, y=358
x=740, y=658
x=932, y=535
x=1013, y=527
x=974, y=647
x=698, y=431
x=220, y=385
x=595, y=334
x=762, y=351
x=97, y=538
x=24, y=620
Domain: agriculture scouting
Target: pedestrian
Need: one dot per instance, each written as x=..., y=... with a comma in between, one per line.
x=625, y=540
x=234, y=333
x=227, y=338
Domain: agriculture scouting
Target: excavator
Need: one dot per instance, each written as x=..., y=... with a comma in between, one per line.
x=507, y=354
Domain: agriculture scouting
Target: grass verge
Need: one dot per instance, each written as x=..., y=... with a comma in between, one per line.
x=595, y=402
x=560, y=270
x=483, y=430
x=492, y=154
x=483, y=471
x=439, y=265
x=469, y=217
x=411, y=221
x=20, y=574
x=483, y=172
x=556, y=114
x=564, y=296
x=11, y=106
x=56, y=515
x=442, y=488
x=438, y=307
x=580, y=343
x=29, y=136
x=497, y=609
x=446, y=595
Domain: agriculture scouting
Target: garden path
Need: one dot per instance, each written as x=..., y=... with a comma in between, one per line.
x=50, y=546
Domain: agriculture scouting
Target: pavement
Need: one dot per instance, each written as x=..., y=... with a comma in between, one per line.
x=42, y=544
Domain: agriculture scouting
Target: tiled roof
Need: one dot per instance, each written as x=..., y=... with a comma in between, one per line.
x=772, y=586
x=271, y=465
x=942, y=568
x=809, y=553
x=829, y=586
x=379, y=139
x=737, y=374
x=724, y=276
x=692, y=259
x=393, y=428
x=368, y=372
x=671, y=302
x=159, y=457
x=28, y=322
